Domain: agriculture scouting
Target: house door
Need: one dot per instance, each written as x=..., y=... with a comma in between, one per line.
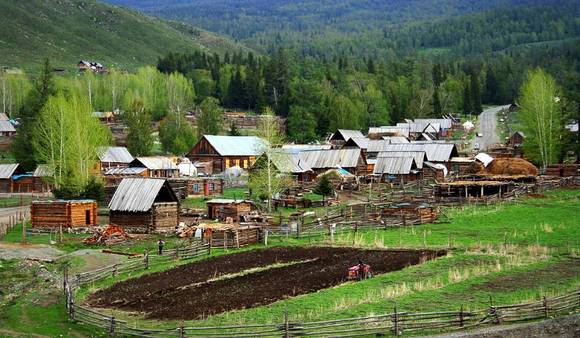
x=88, y=217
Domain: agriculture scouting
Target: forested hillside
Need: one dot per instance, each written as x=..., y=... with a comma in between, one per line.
x=69, y=30
x=377, y=28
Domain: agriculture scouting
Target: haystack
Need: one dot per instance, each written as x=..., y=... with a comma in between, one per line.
x=511, y=166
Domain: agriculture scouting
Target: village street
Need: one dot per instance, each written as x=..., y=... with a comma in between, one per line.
x=487, y=127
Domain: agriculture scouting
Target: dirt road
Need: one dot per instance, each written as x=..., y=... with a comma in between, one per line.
x=487, y=127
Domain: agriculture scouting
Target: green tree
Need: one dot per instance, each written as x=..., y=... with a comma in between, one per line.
x=475, y=93
x=233, y=130
x=541, y=117
x=140, y=136
x=323, y=187
x=467, y=103
x=43, y=88
x=176, y=134
x=209, y=121
x=301, y=125
x=437, y=109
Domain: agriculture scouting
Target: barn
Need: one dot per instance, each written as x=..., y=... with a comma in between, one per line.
x=63, y=213
x=144, y=205
x=227, y=151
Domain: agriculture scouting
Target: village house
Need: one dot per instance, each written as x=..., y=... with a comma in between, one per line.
x=288, y=163
x=516, y=140
x=351, y=160
x=436, y=152
x=42, y=176
x=396, y=168
x=155, y=166
x=114, y=157
x=339, y=138
x=63, y=213
x=205, y=186
x=222, y=209
x=95, y=67
x=7, y=174
x=377, y=133
x=227, y=151
x=144, y=205
x=7, y=129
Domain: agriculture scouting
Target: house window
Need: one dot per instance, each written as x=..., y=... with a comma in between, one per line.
x=211, y=187
x=227, y=162
x=196, y=187
x=252, y=160
x=237, y=162
x=245, y=163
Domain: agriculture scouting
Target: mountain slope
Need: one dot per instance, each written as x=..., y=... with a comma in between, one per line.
x=69, y=30
x=374, y=27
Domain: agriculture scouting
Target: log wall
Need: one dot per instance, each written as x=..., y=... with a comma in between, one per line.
x=63, y=213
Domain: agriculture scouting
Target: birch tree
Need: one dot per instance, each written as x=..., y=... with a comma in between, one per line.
x=270, y=175
x=541, y=118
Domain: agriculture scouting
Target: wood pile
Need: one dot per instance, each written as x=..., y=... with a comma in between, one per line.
x=110, y=235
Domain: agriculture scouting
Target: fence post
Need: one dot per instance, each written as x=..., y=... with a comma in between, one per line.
x=209, y=248
x=545, y=304
x=112, y=325
x=286, y=324
x=146, y=260
x=181, y=331
x=115, y=270
x=395, y=322
x=461, y=316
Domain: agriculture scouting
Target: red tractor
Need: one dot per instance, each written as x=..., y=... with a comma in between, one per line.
x=360, y=271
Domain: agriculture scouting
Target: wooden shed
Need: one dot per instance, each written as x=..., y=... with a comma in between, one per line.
x=221, y=209
x=63, y=213
x=144, y=205
x=230, y=235
x=7, y=173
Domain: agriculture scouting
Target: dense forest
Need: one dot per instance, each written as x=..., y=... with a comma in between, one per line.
x=377, y=28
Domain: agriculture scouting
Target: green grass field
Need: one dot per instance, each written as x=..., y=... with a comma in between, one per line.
x=511, y=252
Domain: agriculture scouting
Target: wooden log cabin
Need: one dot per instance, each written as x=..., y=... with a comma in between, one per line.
x=221, y=209
x=230, y=235
x=144, y=205
x=114, y=157
x=63, y=213
x=7, y=174
x=227, y=151
x=156, y=166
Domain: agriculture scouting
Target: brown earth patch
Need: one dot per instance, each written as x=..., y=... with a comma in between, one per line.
x=192, y=292
x=560, y=271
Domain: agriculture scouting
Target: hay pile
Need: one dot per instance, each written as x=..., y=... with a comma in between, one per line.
x=511, y=166
x=475, y=168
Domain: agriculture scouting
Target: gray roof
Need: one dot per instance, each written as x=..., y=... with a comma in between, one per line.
x=290, y=163
x=348, y=134
x=136, y=194
x=296, y=148
x=7, y=170
x=394, y=130
x=360, y=142
x=236, y=145
x=396, y=139
x=157, y=163
x=436, y=152
x=226, y=201
x=376, y=146
x=419, y=127
x=42, y=170
x=4, y=117
x=418, y=156
x=394, y=165
x=443, y=123
x=323, y=159
x=6, y=126
x=115, y=155
x=125, y=171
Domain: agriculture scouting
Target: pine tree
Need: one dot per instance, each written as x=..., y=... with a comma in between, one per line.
x=436, y=103
x=43, y=89
x=371, y=66
x=467, y=105
x=475, y=94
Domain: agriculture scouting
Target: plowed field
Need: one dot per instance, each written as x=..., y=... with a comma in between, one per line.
x=247, y=279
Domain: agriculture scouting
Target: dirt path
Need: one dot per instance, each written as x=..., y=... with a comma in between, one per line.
x=29, y=251
x=487, y=123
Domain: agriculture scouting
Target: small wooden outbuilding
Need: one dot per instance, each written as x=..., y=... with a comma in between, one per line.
x=63, y=213
x=221, y=209
x=144, y=205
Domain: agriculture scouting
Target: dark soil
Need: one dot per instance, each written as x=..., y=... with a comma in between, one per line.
x=183, y=293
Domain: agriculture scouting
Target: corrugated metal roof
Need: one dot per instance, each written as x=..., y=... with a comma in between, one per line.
x=415, y=127
x=436, y=152
x=156, y=163
x=236, y=145
x=115, y=155
x=125, y=171
x=136, y=194
x=347, y=134
x=226, y=201
x=394, y=165
x=42, y=170
x=443, y=123
x=6, y=170
x=375, y=146
x=396, y=139
x=290, y=163
x=6, y=126
x=418, y=156
x=394, y=130
x=322, y=159
x=4, y=117
x=296, y=148
x=359, y=142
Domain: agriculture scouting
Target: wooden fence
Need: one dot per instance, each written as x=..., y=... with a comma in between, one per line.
x=390, y=324
x=10, y=219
